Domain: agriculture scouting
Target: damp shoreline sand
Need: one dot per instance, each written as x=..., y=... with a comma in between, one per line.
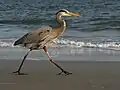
x=42, y=75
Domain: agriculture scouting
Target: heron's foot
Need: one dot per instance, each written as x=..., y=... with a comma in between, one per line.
x=64, y=72
x=19, y=73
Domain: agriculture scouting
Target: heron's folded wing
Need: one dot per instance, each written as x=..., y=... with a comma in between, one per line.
x=36, y=36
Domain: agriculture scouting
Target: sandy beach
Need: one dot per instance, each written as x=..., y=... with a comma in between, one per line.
x=42, y=76
x=89, y=46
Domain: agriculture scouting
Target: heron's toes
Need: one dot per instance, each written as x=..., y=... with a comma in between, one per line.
x=19, y=73
x=65, y=73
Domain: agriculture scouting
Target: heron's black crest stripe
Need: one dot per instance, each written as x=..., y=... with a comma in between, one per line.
x=61, y=11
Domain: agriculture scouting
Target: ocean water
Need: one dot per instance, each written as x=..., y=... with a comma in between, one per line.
x=96, y=30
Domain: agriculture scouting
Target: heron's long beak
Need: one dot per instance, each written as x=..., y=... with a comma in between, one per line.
x=74, y=14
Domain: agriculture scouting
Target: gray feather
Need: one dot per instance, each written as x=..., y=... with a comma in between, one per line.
x=35, y=37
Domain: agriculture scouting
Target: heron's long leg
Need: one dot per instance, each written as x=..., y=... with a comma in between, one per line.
x=52, y=61
x=18, y=71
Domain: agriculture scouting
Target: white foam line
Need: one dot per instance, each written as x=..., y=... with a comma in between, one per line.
x=72, y=44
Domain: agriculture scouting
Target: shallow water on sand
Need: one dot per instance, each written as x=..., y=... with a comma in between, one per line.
x=62, y=54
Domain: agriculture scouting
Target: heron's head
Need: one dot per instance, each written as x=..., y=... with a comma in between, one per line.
x=64, y=12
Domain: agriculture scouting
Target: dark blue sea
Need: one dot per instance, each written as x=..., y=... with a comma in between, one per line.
x=97, y=29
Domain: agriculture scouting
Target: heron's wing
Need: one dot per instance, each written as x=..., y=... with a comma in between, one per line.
x=36, y=36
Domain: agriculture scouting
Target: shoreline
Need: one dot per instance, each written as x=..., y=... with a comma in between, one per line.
x=42, y=75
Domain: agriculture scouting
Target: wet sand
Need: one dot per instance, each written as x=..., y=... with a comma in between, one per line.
x=42, y=76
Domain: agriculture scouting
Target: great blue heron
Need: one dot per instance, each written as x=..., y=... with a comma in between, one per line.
x=43, y=37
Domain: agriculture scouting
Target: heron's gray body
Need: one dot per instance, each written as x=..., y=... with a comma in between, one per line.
x=37, y=39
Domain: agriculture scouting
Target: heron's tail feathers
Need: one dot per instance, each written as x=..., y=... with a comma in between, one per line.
x=17, y=42
x=21, y=40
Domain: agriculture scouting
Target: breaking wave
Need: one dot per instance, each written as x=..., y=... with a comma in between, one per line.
x=89, y=44
x=73, y=44
x=6, y=43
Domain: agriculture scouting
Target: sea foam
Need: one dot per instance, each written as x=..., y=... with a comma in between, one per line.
x=71, y=43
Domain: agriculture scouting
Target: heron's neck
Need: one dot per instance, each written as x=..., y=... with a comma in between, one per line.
x=61, y=22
